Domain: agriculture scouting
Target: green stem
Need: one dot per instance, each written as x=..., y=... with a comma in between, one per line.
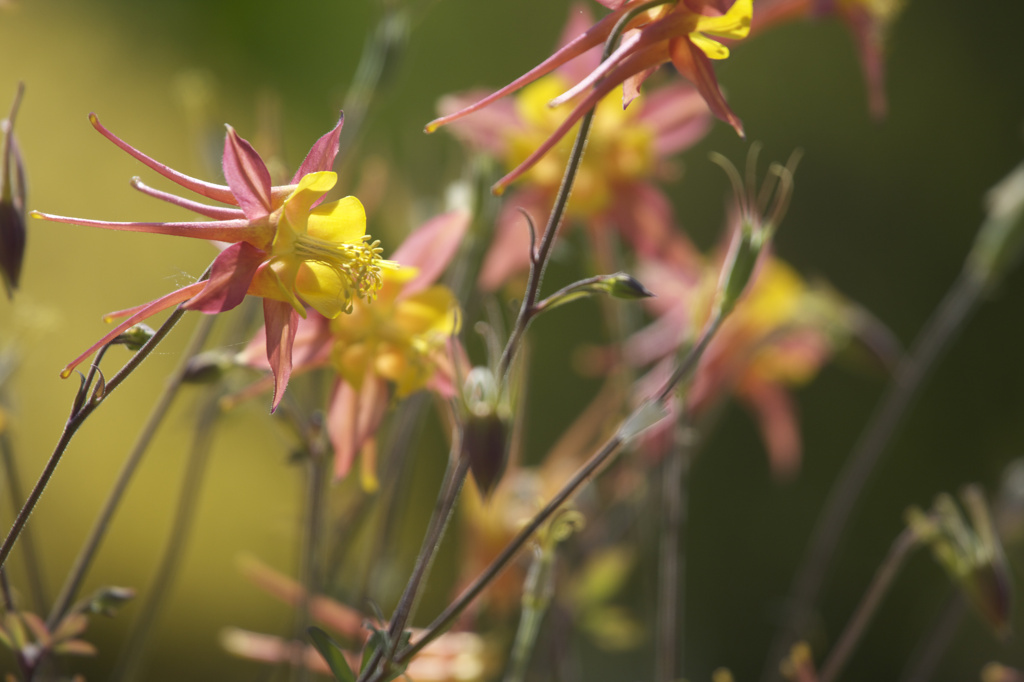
x=75, y=421
x=88, y=552
x=908, y=379
x=33, y=565
x=583, y=475
x=128, y=665
x=904, y=543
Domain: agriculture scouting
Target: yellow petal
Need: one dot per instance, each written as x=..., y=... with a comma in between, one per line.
x=323, y=288
x=341, y=221
x=712, y=48
x=311, y=187
x=430, y=310
x=734, y=24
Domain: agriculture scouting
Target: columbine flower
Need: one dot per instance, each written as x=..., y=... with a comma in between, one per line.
x=870, y=22
x=679, y=32
x=613, y=188
x=285, y=246
x=399, y=341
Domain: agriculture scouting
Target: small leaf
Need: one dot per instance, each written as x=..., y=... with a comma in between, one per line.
x=332, y=655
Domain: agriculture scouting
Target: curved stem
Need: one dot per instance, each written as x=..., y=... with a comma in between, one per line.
x=75, y=421
x=909, y=377
x=78, y=571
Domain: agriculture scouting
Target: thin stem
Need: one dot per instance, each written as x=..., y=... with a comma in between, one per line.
x=316, y=476
x=75, y=421
x=940, y=330
x=671, y=568
x=131, y=657
x=583, y=475
x=455, y=476
x=539, y=259
x=840, y=654
x=929, y=652
x=33, y=564
x=85, y=556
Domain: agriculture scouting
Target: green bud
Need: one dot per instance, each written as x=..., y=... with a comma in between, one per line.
x=107, y=600
x=620, y=285
x=1001, y=236
x=208, y=367
x=738, y=269
x=135, y=337
x=12, y=202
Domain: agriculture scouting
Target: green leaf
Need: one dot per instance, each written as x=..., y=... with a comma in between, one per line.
x=332, y=654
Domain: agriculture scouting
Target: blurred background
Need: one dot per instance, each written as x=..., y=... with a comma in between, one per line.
x=884, y=211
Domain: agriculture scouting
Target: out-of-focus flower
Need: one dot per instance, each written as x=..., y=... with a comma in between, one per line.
x=285, y=245
x=997, y=672
x=614, y=189
x=680, y=31
x=12, y=202
x=453, y=657
x=399, y=340
x=779, y=334
x=799, y=665
x=972, y=554
x=870, y=22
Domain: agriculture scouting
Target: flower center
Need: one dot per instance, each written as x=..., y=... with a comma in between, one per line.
x=355, y=268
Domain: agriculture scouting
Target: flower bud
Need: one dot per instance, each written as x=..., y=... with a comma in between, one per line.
x=1001, y=236
x=486, y=429
x=12, y=203
x=135, y=337
x=620, y=285
x=208, y=367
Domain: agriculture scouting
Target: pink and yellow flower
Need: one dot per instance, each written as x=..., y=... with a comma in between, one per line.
x=614, y=186
x=682, y=32
x=400, y=342
x=285, y=245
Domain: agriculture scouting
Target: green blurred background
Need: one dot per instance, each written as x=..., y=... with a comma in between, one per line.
x=884, y=211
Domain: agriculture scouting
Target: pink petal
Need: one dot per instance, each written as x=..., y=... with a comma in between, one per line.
x=489, y=130
x=644, y=216
x=678, y=115
x=431, y=248
x=869, y=45
x=695, y=66
x=230, y=276
x=247, y=176
x=776, y=415
x=321, y=155
x=352, y=419
x=580, y=20
x=281, y=322
x=215, y=230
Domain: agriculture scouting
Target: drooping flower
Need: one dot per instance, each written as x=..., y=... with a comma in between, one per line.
x=285, y=245
x=870, y=22
x=680, y=31
x=614, y=186
x=400, y=342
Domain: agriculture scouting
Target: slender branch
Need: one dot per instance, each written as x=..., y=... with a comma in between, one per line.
x=908, y=379
x=583, y=475
x=840, y=654
x=82, y=563
x=33, y=565
x=671, y=569
x=75, y=421
x=127, y=667
x=539, y=258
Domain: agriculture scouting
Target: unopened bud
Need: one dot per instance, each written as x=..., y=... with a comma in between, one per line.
x=107, y=600
x=486, y=429
x=208, y=367
x=1001, y=236
x=12, y=202
x=135, y=337
x=619, y=285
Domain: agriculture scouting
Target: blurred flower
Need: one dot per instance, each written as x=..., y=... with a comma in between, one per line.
x=870, y=22
x=614, y=186
x=286, y=246
x=12, y=201
x=972, y=554
x=27, y=636
x=452, y=657
x=400, y=340
x=997, y=672
x=679, y=31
